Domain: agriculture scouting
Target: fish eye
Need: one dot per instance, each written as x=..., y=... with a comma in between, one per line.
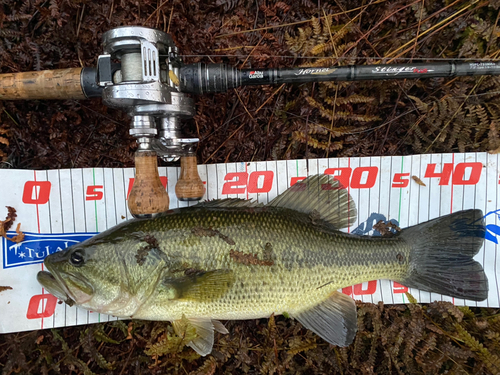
x=76, y=258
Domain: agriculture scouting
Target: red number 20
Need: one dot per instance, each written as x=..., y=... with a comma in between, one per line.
x=242, y=182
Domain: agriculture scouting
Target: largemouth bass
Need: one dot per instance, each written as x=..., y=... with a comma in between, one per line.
x=234, y=259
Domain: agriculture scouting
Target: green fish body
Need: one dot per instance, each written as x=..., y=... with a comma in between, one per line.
x=233, y=259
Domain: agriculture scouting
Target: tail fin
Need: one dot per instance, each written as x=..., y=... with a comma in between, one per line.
x=441, y=257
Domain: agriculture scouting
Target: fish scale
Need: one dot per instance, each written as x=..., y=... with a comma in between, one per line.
x=310, y=260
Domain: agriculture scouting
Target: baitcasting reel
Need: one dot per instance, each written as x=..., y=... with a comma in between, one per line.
x=141, y=73
x=145, y=84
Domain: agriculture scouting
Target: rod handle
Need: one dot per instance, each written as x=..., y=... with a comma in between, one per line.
x=189, y=187
x=44, y=84
x=148, y=197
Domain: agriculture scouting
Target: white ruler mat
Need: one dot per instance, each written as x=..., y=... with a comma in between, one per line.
x=60, y=207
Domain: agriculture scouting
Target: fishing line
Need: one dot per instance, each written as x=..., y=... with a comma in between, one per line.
x=342, y=58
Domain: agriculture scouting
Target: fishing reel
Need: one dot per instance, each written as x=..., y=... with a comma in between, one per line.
x=141, y=72
x=145, y=84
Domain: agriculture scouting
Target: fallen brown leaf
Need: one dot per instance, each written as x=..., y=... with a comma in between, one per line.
x=9, y=220
x=129, y=331
x=6, y=224
x=418, y=181
x=385, y=228
x=20, y=235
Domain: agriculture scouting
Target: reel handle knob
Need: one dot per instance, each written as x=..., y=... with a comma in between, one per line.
x=189, y=187
x=148, y=197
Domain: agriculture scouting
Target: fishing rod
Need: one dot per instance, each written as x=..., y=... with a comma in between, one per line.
x=142, y=73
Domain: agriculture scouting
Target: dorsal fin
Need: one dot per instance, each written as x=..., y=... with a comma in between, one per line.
x=229, y=202
x=323, y=195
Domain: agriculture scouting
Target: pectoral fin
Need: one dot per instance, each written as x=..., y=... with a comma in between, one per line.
x=334, y=320
x=204, y=331
x=203, y=286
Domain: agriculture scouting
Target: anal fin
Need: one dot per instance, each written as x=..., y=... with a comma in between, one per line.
x=334, y=320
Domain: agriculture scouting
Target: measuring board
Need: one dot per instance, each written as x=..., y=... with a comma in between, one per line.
x=57, y=208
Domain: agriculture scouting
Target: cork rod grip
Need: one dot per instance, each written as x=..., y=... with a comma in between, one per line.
x=189, y=187
x=45, y=84
x=148, y=197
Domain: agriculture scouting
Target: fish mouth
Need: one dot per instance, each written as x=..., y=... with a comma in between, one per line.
x=55, y=287
x=70, y=289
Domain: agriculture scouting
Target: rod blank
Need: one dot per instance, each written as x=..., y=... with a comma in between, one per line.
x=202, y=78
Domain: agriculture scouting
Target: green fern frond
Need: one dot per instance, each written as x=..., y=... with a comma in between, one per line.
x=491, y=361
x=351, y=99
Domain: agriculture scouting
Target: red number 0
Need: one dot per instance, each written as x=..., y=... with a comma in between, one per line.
x=50, y=306
x=459, y=173
x=267, y=184
x=371, y=177
x=36, y=192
